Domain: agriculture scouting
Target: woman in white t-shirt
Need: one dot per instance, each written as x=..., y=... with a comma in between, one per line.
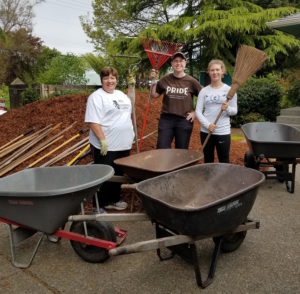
x=211, y=100
x=108, y=113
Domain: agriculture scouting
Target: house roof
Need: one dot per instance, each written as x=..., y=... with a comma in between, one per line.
x=289, y=24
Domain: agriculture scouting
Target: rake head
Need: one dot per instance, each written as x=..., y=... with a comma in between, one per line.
x=159, y=52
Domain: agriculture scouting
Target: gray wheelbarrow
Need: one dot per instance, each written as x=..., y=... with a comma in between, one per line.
x=273, y=148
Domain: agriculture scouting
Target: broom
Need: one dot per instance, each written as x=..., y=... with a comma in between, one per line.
x=248, y=61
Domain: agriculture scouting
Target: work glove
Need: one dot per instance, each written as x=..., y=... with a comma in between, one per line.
x=103, y=146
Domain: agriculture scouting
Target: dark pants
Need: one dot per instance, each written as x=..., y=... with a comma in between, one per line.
x=109, y=191
x=173, y=126
x=222, y=144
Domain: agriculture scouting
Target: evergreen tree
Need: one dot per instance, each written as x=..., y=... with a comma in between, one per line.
x=207, y=29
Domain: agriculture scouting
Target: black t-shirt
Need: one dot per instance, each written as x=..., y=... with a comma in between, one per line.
x=178, y=93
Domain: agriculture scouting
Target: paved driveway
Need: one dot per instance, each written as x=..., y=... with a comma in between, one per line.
x=267, y=262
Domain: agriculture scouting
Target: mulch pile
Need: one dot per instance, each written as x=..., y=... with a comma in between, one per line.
x=71, y=108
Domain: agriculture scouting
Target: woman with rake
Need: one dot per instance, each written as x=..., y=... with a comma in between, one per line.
x=210, y=101
x=108, y=113
x=177, y=114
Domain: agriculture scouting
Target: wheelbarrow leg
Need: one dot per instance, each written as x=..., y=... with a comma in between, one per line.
x=291, y=177
x=213, y=265
x=190, y=254
x=18, y=235
x=159, y=234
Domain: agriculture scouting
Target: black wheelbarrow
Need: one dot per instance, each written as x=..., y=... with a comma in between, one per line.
x=197, y=202
x=273, y=148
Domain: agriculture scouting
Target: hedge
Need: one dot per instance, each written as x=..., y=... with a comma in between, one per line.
x=258, y=100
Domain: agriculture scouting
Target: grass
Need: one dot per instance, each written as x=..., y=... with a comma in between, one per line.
x=237, y=138
x=4, y=95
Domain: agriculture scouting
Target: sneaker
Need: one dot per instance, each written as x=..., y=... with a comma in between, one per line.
x=120, y=205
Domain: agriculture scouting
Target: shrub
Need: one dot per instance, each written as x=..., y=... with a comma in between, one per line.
x=259, y=99
x=252, y=117
x=293, y=94
x=30, y=95
x=4, y=94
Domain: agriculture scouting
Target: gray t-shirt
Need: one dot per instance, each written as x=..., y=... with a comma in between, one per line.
x=178, y=93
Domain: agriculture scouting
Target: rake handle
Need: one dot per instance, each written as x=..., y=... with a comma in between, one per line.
x=145, y=116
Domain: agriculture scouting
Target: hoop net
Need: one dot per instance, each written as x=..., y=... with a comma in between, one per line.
x=159, y=51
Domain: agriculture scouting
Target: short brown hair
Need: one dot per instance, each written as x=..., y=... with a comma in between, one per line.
x=108, y=70
x=217, y=61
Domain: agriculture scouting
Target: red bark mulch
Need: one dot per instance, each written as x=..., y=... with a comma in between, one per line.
x=71, y=108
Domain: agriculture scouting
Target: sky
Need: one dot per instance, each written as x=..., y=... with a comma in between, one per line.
x=57, y=23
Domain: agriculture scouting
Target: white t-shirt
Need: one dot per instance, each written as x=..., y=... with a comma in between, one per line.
x=113, y=112
x=209, y=104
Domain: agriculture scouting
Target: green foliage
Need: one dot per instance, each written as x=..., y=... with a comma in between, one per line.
x=293, y=94
x=43, y=60
x=276, y=3
x=252, y=117
x=30, y=95
x=61, y=92
x=64, y=70
x=95, y=62
x=207, y=29
x=258, y=99
x=4, y=94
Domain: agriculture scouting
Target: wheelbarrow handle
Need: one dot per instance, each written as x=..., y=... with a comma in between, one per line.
x=129, y=186
x=151, y=244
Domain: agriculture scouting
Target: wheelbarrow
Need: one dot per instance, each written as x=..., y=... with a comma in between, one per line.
x=204, y=199
x=152, y=163
x=41, y=200
x=273, y=148
x=190, y=204
x=155, y=162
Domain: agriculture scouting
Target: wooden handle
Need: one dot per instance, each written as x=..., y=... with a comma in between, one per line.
x=151, y=244
x=209, y=134
x=128, y=186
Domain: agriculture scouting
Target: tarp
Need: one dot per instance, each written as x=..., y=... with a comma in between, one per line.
x=289, y=24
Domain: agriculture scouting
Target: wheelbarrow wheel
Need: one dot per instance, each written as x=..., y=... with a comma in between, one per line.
x=232, y=242
x=249, y=160
x=100, y=230
x=281, y=170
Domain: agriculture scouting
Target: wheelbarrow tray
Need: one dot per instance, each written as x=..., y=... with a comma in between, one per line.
x=203, y=199
x=43, y=198
x=273, y=140
x=152, y=163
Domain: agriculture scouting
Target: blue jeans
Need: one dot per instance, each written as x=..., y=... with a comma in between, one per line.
x=172, y=126
x=222, y=144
